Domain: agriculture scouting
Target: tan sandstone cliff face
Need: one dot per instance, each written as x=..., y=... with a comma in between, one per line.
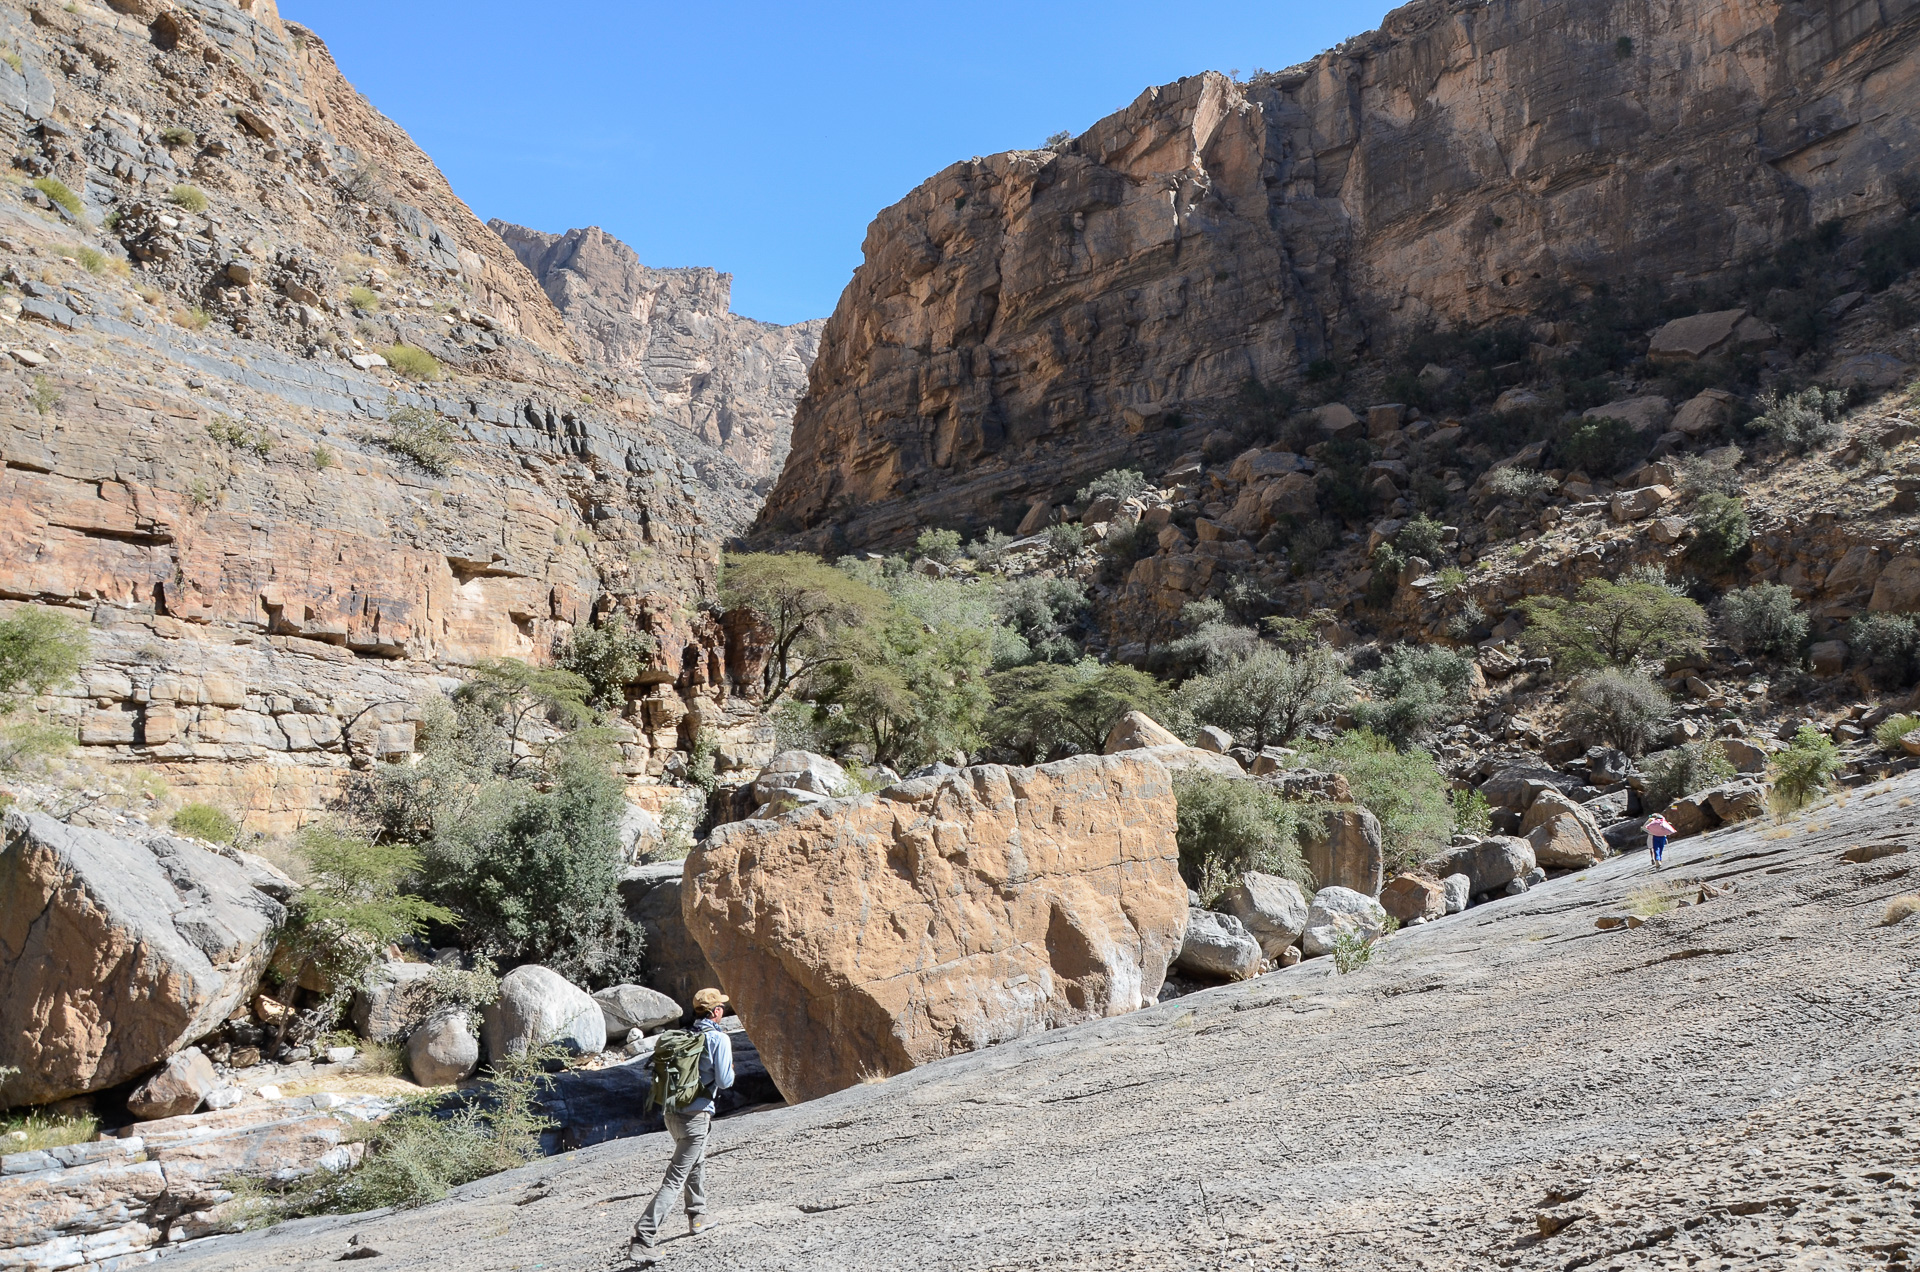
x=864, y=936
x=729, y=380
x=275, y=587
x=1024, y=321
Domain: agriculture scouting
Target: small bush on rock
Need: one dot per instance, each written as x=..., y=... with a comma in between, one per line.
x=1803, y=771
x=1598, y=446
x=1800, y=421
x=1721, y=532
x=1682, y=771
x=189, y=198
x=1227, y=825
x=1764, y=619
x=1049, y=709
x=1889, y=644
x=1117, y=483
x=204, y=821
x=609, y=657
x=1892, y=730
x=1514, y=482
x=1067, y=538
x=423, y=437
x=412, y=362
x=939, y=546
x=57, y=190
x=1416, y=689
x=1422, y=537
x=1471, y=813
x=38, y=650
x=1624, y=709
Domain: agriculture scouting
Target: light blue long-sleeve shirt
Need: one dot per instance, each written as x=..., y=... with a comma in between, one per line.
x=716, y=1064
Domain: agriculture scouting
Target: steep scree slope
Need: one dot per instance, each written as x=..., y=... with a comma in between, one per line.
x=729, y=380
x=1731, y=1084
x=1023, y=321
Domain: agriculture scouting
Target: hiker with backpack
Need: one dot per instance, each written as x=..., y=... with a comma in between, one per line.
x=1659, y=830
x=690, y=1068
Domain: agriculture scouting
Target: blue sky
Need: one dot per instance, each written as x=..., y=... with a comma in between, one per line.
x=762, y=138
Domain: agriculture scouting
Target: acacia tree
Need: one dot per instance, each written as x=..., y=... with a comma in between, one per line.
x=812, y=608
x=906, y=690
x=1266, y=696
x=1614, y=625
x=1046, y=705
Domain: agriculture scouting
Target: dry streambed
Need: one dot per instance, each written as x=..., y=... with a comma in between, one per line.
x=1731, y=1084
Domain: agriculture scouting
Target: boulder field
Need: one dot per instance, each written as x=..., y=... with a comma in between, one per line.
x=1725, y=1082
x=860, y=937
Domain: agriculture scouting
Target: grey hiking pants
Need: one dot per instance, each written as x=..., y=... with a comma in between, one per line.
x=687, y=1169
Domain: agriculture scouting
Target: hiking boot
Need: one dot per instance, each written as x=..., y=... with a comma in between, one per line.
x=697, y=1224
x=641, y=1241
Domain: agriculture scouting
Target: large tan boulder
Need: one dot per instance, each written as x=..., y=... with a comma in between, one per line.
x=1137, y=729
x=1898, y=587
x=1343, y=849
x=115, y=953
x=1567, y=841
x=868, y=935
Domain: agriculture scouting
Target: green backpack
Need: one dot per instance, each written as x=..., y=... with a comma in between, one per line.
x=676, y=1069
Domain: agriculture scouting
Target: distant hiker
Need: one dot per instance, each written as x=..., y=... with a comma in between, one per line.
x=1659, y=830
x=690, y=1068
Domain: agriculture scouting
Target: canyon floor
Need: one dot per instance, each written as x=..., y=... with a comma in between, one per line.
x=1732, y=1085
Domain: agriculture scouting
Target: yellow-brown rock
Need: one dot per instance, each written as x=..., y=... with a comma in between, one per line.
x=865, y=936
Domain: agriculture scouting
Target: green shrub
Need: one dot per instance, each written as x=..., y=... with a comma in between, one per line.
x=1118, y=483
x=57, y=190
x=1683, y=771
x=1598, y=445
x=1889, y=644
x=1764, y=619
x=1804, y=770
x=1352, y=951
x=423, y=437
x=1890, y=731
x=232, y=433
x=41, y=1129
x=204, y=821
x=421, y=1152
x=1067, y=537
x=1623, y=708
x=941, y=546
x=1387, y=565
x=38, y=650
x=1721, y=532
x=1404, y=789
x=364, y=299
x=1471, y=813
x=1226, y=825
x=45, y=395
x=178, y=135
x=1800, y=421
x=1614, y=625
x=193, y=318
x=1422, y=537
x=609, y=657
x=191, y=198
x=1514, y=482
x=323, y=458
x=1042, y=611
x=1416, y=689
x=1267, y=695
x=353, y=907
x=91, y=259
x=412, y=362
x=990, y=548
x=1307, y=545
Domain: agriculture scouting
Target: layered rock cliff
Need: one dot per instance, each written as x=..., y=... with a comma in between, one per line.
x=1023, y=321
x=283, y=543
x=731, y=381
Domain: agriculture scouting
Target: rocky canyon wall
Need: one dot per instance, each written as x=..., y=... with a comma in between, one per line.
x=729, y=380
x=283, y=544
x=1023, y=321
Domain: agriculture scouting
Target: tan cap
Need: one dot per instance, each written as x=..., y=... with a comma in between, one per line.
x=707, y=999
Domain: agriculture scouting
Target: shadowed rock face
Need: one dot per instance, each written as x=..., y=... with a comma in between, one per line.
x=729, y=380
x=861, y=937
x=1024, y=321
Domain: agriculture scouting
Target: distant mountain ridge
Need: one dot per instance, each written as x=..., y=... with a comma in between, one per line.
x=732, y=381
